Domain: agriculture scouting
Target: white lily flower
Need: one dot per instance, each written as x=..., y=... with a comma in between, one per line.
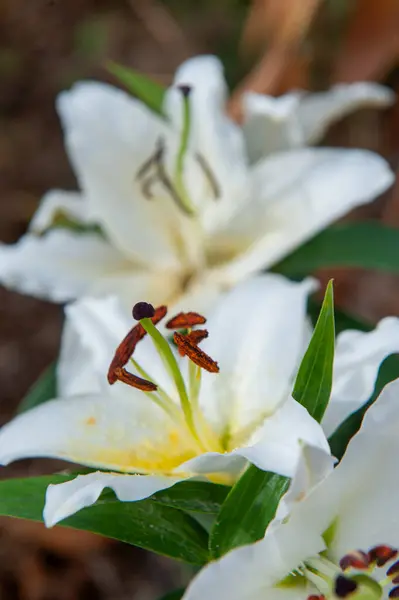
x=196, y=423
x=339, y=541
x=189, y=205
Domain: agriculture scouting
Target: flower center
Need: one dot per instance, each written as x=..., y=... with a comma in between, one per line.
x=154, y=170
x=357, y=577
x=188, y=415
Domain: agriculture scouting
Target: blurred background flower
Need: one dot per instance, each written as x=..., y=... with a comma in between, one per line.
x=47, y=45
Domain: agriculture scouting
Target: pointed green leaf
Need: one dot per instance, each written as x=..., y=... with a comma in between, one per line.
x=147, y=90
x=45, y=388
x=313, y=383
x=247, y=511
x=147, y=524
x=195, y=496
x=346, y=245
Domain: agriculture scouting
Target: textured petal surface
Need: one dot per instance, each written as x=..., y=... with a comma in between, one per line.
x=295, y=195
x=65, y=499
x=123, y=431
x=358, y=357
x=256, y=333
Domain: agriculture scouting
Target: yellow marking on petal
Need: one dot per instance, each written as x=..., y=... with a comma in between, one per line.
x=91, y=421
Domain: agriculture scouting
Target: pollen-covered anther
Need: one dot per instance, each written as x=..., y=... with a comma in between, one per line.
x=344, y=586
x=355, y=560
x=393, y=570
x=137, y=382
x=195, y=354
x=195, y=337
x=127, y=346
x=185, y=320
x=381, y=555
x=394, y=593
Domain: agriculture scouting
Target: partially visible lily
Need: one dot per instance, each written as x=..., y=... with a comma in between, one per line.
x=172, y=411
x=339, y=540
x=178, y=210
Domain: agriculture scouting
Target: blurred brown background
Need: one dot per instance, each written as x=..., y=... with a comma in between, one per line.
x=270, y=46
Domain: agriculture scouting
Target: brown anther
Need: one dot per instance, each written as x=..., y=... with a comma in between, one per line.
x=184, y=320
x=394, y=593
x=198, y=356
x=195, y=337
x=137, y=382
x=393, y=569
x=395, y=580
x=356, y=559
x=314, y=597
x=380, y=555
x=344, y=586
x=127, y=346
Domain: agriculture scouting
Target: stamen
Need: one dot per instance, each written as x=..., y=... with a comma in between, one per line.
x=380, y=555
x=198, y=356
x=209, y=175
x=356, y=559
x=133, y=380
x=195, y=337
x=127, y=346
x=143, y=310
x=315, y=597
x=393, y=569
x=344, y=586
x=183, y=320
x=394, y=593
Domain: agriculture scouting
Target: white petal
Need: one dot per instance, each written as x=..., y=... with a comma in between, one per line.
x=123, y=431
x=277, y=445
x=92, y=331
x=316, y=112
x=61, y=265
x=71, y=204
x=271, y=124
x=358, y=357
x=314, y=465
x=300, y=118
x=109, y=136
x=65, y=499
x=250, y=572
x=296, y=194
x=366, y=478
x=213, y=135
x=256, y=333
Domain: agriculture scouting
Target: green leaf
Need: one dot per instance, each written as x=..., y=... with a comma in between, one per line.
x=247, y=511
x=147, y=524
x=195, y=496
x=389, y=370
x=147, y=90
x=45, y=388
x=313, y=383
x=368, y=245
x=175, y=595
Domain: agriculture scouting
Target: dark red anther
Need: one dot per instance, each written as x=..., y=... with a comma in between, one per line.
x=143, y=310
x=394, y=593
x=380, y=555
x=344, y=586
x=185, y=320
x=198, y=356
x=356, y=560
x=393, y=569
x=137, y=382
x=127, y=346
x=314, y=597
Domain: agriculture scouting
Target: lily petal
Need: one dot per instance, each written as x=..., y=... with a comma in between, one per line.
x=109, y=136
x=124, y=431
x=217, y=139
x=65, y=499
x=301, y=118
x=61, y=265
x=358, y=357
x=71, y=204
x=256, y=368
x=296, y=194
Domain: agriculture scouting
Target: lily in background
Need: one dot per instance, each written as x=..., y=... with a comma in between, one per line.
x=168, y=417
x=338, y=540
x=179, y=209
